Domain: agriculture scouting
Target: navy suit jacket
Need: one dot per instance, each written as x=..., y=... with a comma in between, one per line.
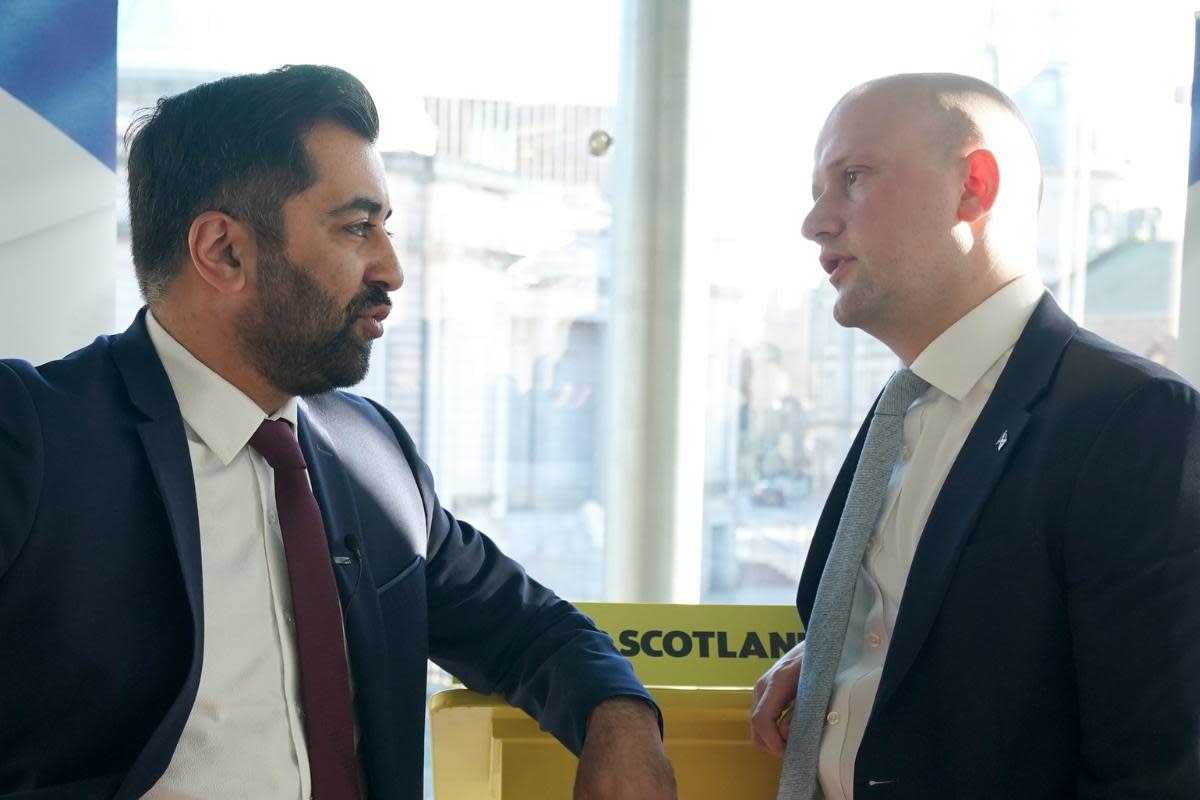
x=1048, y=639
x=101, y=623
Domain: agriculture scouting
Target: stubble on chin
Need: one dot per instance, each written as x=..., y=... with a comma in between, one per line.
x=845, y=308
x=861, y=303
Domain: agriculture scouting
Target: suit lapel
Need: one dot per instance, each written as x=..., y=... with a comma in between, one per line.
x=365, y=641
x=165, y=442
x=981, y=462
x=331, y=486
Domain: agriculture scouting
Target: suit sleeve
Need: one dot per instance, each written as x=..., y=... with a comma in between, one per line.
x=21, y=461
x=1131, y=557
x=498, y=630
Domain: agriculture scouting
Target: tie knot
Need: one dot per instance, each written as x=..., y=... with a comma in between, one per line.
x=903, y=388
x=274, y=441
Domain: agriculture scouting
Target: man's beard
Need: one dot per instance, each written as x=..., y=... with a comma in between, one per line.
x=298, y=338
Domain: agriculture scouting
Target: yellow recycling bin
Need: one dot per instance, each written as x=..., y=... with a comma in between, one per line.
x=699, y=663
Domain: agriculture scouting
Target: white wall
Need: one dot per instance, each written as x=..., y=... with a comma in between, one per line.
x=57, y=238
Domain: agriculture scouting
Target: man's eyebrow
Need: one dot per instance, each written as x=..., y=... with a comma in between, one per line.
x=837, y=164
x=360, y=203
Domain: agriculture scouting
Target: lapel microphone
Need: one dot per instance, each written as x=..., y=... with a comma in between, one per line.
x=354, y=545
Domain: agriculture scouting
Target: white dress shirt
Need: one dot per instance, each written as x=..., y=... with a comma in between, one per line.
x=245, y=734
x=962, y=367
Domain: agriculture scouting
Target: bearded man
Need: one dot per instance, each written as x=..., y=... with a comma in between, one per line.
x=210, y=587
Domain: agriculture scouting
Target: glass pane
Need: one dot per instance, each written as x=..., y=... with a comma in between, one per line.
x=1104, y=89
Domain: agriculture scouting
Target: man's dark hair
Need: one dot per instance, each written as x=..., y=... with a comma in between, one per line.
x=235, y=145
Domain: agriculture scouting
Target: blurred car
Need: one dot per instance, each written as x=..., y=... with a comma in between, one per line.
x=780, y=490
x=768, y=492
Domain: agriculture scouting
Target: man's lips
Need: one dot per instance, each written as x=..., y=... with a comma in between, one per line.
x=374, y=318
x=831, y=261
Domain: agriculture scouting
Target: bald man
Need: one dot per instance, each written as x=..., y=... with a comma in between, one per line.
x=1026, y=618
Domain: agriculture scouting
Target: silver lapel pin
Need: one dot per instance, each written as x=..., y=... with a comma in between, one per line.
x=1003, y=440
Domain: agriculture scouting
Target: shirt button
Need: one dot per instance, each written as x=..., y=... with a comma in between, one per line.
x=872, y=543
x=833, y=717
x=290, y=619
x=874, y=640
x=906, y=453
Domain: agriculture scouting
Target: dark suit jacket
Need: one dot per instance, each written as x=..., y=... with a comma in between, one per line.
x=1048, y=639
x=101, y=623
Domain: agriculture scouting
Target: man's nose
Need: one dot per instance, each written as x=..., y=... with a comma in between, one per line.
x=821, y=221
x=387, y=269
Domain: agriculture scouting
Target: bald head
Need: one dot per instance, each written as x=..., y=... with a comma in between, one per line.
x=957, y=114
x=926, y=190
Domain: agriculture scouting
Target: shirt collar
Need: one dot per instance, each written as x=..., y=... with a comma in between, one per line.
x=220, y=414
x=956, y=360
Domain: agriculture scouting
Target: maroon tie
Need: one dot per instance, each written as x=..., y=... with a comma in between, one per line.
x=324, y=684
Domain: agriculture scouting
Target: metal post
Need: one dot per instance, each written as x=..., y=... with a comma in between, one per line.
x=1187, y=362
x=655, y=385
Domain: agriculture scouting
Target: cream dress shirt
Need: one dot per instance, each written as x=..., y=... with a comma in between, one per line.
x=245, y=734
x=962, y=367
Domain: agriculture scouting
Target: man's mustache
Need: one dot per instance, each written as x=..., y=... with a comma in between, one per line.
x=372, y=296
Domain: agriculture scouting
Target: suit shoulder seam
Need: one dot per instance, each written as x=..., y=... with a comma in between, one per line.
x=1146, y=384
x=39, y=463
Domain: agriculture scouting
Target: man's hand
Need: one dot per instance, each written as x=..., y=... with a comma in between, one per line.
x=773, y=694
x=623, y=756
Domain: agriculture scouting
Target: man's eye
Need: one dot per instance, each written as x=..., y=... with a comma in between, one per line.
x=363, y=229
x=852, y=176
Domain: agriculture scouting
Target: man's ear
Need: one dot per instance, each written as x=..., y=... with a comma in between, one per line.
x=980, y=185
x=223, y=250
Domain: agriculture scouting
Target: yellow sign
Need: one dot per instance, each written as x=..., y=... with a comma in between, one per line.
x=698, y=645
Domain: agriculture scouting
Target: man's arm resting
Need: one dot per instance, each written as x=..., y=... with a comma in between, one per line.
x=623, y=756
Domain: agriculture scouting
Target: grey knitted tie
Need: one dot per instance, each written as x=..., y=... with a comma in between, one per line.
x=831, y=609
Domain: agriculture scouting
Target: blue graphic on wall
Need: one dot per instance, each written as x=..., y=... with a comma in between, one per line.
x=59, y=57
x=1194, y=160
